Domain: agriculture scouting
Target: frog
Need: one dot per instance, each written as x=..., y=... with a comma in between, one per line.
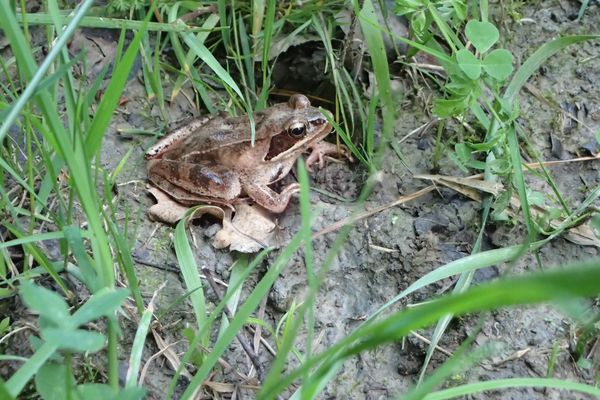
x=216, y=161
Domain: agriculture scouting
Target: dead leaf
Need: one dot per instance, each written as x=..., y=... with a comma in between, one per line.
x=251, y=229
x=165, y=210
x=581, y=235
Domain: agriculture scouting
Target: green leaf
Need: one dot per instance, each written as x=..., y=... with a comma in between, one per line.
x=76, y=340
x=45, y=302
x=463, y=391
x=4, y=325
x=483, y=35
x=131, y=393
x=500, y=205
x=95, y=391
x=535, y=198
x=456, y=159
x=51, y=382
x=17, y=382
x=419, y=24
x=468, y=63
x=75, y=241
x=189, y=270
x=463, y=152
x=460, y=9
x=104, y=303
x=4, y=393
x=113, y=91
x=498, y=64
x=205, y=55
x=445, y=108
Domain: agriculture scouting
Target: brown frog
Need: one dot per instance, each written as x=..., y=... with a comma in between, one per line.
x=213, y=161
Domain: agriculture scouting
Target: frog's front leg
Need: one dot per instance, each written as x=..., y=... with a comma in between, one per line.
x=268, y=198
x=320, y=149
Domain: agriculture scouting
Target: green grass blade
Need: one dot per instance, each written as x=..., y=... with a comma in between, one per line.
x=269, y=22
x=498, y=384
x=462, y=265
x=234, y=290
x=463, y=283
x=306, y=212
x=49, y=81
x=111, y=23
x=113, y=92
x=68, y=82
x=380, y=67
x=449, y=36
x=222, y=12
x=43, y=68
x=519, y=181
x=260, y=291
x=205, y=55
x=186, y=60
x=17, y=382
x=137, y=348
x=189, y=270
x=85, y=263
x=462, y=359
x=216, y=313
x=535, y=61
x=579, y=280
x=307, y=308
x=124, y=253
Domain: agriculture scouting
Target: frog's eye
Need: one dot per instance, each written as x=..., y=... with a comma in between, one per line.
x=297, y=130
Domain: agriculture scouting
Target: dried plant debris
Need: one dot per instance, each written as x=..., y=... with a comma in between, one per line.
x=249, y=230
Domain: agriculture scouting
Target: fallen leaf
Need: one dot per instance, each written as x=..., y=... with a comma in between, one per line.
x=251, y=229
x=165, y=210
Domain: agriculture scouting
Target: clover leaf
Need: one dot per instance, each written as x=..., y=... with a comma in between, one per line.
x=468, y=63
x=482, y=34
x=498, y=64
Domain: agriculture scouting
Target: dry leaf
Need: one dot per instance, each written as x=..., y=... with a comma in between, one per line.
x=165, y=210
x=251, y=229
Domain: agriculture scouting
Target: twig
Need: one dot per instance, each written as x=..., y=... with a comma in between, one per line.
x=366, y=214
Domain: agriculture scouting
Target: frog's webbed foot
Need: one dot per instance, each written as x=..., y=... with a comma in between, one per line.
x=270, y=199
x=321, y=149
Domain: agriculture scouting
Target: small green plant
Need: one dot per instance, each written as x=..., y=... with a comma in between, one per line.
x=122, y=6
x=421, y=14
x=62, y=335
x=478, y=86
x=472, y=73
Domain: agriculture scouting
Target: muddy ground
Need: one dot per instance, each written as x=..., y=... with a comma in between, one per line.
x=388, y=251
